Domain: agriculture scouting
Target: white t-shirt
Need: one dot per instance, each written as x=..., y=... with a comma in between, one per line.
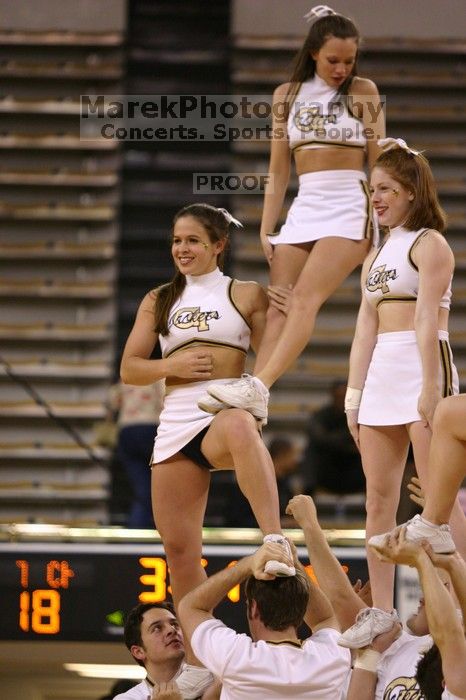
x=396, y=672
x=251, y=670
x=141, y=691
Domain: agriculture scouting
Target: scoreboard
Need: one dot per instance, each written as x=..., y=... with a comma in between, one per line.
x=81, y=591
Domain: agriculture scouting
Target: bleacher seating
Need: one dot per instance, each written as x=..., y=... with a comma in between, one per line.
x=58, y=247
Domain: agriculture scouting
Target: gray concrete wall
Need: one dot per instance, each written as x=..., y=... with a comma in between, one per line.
x=423, y=19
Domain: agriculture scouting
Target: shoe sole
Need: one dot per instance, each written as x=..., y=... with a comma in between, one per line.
x=353, y=645
x=438, y=549
x=342, y=642
x=208, y=408
x=232, y=404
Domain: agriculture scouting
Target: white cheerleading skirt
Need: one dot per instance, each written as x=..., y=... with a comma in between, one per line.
x=328, y=203
x=181, y=419
x=394, y=379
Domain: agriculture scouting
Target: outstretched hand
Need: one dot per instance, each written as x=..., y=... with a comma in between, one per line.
x=397, y=549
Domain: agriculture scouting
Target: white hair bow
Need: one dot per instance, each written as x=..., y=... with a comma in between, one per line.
x=230, y=219
x=389, y=143
x=319, y=11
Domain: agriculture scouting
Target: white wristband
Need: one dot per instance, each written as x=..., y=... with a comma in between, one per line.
x=352, y=398
x=368, y=660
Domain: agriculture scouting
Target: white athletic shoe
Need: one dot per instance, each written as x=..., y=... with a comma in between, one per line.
x=208, y=404
x=370, y=622
x=278, y=568
x=248, y=393
x=193, y=681
x=417, y=529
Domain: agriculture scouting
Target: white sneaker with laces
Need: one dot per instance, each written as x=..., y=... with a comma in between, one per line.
x=248, y=393
x=193, y=681
x=278, y=568
x=208, y=404
x=370, y=622
x=417, y=529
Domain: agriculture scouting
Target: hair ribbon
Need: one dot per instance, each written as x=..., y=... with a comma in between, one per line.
x=230, y=219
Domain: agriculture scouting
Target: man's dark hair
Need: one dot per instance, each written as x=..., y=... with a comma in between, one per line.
x=281, y=602
x=429, y=674
x=134, y=619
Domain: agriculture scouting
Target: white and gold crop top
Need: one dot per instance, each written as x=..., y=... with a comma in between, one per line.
x=205, y=314
x=318, y=117
x=393, y=275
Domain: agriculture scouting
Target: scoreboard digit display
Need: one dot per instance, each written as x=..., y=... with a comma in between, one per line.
x=81, y=592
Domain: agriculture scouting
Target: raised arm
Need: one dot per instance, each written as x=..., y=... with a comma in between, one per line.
x=435, y=262
x=444, y=623
x=455, y=565
x=136, y=366
x=330, y=575
x=279, y=169
x=320, y=613
x=197, y=605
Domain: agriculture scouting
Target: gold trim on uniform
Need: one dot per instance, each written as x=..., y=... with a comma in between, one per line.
x=209, y=343
x=413, y=245
x=232, y=302
x=369, y=225
x=445, y=355
x=399, y=299
x=293, y=642
x=327, y=144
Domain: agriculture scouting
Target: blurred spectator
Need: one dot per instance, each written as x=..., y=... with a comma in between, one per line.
x=138, y=409
x=285, y=457
x=331, y=459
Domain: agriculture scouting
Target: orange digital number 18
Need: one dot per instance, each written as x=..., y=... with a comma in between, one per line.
x=42, y=613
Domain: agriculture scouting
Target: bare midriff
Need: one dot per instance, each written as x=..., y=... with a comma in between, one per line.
x=311, y=160
x=228, y=362
x=399, y=316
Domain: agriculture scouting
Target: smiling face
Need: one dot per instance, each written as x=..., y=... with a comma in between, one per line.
x=335, y=60
x=192, y=250
x=162, y=640
x=391, y=201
